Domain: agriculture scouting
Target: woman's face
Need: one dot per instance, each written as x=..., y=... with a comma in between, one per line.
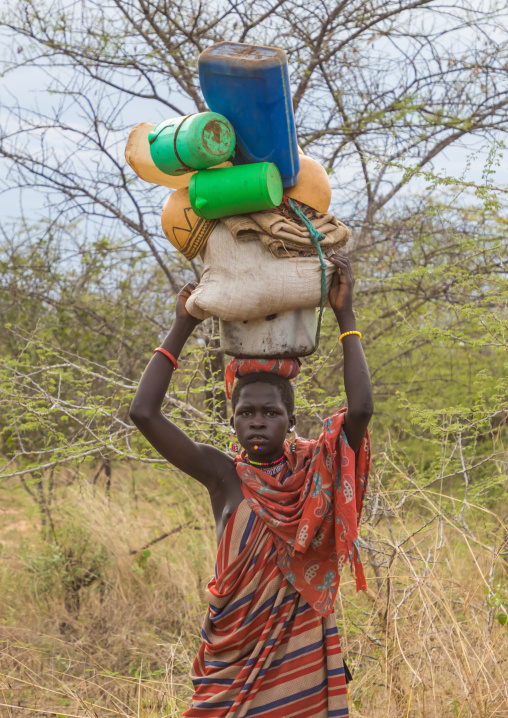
x=261, y=420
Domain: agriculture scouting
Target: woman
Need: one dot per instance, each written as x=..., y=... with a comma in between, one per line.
x=286, y=517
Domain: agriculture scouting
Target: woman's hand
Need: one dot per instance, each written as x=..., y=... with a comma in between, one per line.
x=181, y=313
x=341, y=288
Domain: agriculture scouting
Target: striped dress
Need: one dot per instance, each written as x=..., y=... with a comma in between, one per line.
x=265, y=651
x=270, y=645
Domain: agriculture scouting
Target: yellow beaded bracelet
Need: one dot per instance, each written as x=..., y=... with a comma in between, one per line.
x=346, y=334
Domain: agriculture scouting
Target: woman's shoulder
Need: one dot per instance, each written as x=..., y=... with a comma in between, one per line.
x=221, y=465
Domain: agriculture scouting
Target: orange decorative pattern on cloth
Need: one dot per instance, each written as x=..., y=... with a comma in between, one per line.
x=314, y=515
x=286, y=368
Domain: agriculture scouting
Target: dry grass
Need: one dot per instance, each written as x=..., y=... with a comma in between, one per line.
x=88, y=628
x=426, y=638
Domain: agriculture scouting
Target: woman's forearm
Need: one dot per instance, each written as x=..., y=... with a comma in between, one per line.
x=155, y=380
x=356, y=373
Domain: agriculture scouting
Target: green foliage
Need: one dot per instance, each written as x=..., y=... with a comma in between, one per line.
x=498, y=601
x=431, y=303
x=61, y=568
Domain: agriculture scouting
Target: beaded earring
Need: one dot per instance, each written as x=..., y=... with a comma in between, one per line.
x=232, y=446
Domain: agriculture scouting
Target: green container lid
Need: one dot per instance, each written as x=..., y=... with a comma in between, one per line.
x=194, y=142
x=235, y=190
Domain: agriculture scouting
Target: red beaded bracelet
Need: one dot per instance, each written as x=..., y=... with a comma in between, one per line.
x=168, y=355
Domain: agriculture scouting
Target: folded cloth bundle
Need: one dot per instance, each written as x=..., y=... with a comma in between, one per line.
x=284, y=237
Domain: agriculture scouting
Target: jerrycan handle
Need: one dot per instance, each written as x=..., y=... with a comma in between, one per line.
x=186, y=167
x=153, y=137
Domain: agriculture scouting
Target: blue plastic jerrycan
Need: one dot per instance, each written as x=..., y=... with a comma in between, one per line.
x=249, y=85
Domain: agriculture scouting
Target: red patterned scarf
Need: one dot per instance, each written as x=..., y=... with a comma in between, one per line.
x=287, y=368
x=314, y=513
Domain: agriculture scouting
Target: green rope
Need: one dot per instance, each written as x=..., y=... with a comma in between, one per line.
x=316, y=237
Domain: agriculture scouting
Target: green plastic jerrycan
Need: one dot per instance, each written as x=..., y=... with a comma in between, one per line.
x=194, y=142
x=235, y=190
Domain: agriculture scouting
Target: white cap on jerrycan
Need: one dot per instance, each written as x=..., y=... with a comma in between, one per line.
x=185, y=230
x=313, y=187
x=138, y=157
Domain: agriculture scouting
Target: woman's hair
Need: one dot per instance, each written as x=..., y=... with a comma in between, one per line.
x=283, y=385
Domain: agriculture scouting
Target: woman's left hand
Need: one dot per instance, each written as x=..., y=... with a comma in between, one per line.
x=343, y=282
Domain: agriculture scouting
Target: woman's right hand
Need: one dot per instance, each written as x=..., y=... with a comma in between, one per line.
x=341, y=289
x=181, y=312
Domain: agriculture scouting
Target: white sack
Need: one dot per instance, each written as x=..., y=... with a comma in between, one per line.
x=243, y=280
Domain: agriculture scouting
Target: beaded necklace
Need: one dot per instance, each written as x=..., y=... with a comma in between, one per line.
x=269, y=464
x=275, y=470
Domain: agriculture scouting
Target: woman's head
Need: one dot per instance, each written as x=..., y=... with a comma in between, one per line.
x=283, y=385
x=263, y=413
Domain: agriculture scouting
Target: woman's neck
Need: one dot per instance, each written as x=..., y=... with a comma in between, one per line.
x=265, y=464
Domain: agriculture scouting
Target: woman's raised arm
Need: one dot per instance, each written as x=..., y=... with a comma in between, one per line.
x=360, y=404
x=202, y=462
